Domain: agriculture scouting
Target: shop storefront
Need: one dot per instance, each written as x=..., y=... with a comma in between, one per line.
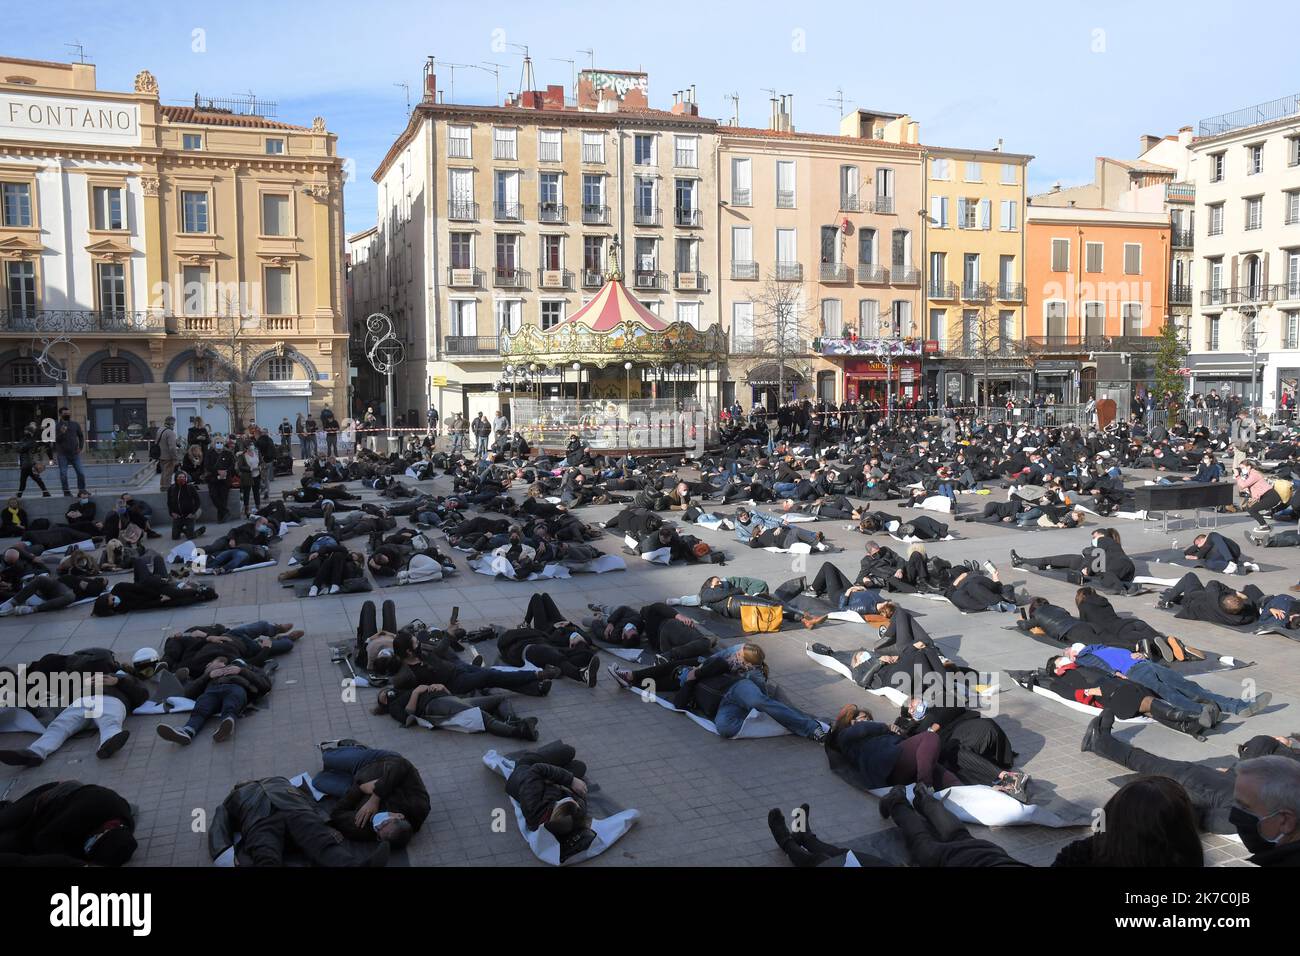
x=871, y=380
x=1058, y=379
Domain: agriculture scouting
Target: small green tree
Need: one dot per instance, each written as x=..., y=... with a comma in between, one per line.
x=1169, y=359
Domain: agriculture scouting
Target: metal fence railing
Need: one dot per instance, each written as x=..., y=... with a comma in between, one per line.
x=615, y=423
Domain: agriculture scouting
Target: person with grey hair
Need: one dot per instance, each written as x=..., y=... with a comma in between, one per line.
x=1266, y=810
x=170, y=452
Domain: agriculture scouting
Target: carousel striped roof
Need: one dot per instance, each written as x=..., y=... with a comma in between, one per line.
x=612, y=306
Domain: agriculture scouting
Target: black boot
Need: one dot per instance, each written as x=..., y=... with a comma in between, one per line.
x=1183, y=721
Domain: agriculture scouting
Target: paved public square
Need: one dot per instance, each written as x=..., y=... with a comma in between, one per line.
x=703, y=800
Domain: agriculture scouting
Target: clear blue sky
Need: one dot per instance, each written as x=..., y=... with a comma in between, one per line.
x=1062, y=81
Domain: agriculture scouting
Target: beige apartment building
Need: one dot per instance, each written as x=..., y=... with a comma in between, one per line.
x=830, y=229
x=163, y=260
x=493, y=217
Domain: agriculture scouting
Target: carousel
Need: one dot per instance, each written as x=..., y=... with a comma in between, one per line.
x=628, y=379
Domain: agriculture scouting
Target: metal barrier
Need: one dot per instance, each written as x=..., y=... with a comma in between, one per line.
x=615, y=423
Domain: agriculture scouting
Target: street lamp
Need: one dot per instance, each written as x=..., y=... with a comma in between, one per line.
x=577, y=381
x=627, y=374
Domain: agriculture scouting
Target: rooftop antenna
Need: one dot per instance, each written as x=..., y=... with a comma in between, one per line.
x=838, y=101
x=735, y=107
x=80, y=50
x=495, y=69
x=407, y=88
x=526, y=81
x=591, y=57
x=573, y=72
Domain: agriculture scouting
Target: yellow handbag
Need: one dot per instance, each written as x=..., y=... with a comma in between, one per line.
x=760, y=619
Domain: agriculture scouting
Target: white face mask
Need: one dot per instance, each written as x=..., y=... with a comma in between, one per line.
x=379, y=819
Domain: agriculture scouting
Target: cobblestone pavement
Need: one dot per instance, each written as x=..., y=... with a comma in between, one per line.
x=703, y=799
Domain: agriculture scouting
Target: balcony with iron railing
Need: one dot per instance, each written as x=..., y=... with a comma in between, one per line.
x=1289, y=291
x=785, y=199
x=976, y=291
x=555, y=278
x=507, y=211
x=904, y=275
x=464, y=278
x=744, y=270
x=1071, y=344
x=552, y=212
x=789, y=271
x=836, y=272
x=649, y=279
x=507, y=277
x=852, y=202
x=35, y=321
x=1180, y=295
x=684, y=216
x=745, y=344
x=461, y=210
x=645, y=216
x=1180, y=192
x=1011, y=292
x=883, y=205
x=690, y=281
x=592, y=278
x=941, y=289
x=481, y=345
x=595, y=214
x=871, y=273
x=970, y=345
x=1180, y=238
x=1245, y=295
x=741, y=196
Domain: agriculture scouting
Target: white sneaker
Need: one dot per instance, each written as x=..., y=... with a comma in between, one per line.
x=314, y=591
x=334, y=589
x=1250, y=565
x=24, y=609
x=1231, y=568
x=6, y=609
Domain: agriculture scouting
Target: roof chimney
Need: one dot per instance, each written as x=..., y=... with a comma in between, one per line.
x=430, y=81
x=998, y=147
x=1148, y=141
x=775, y=123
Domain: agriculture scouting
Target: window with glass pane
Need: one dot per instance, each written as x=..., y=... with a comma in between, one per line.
x=1254, y=213
x=509, y=316
x=689, y=312
x=278, y=298
x=194, y=297
x=593, y=147
x=552, y=255
x=507, y=248
x=1216, y=167
x=593, y=254
x=114, y=372
x=1132, y=318
x=1008, y=174
x=274, y=147
x=687, y=256
x=24, y=373
x=1216, y=219
x=461, y=247
x=279, y=369
x=191, y=141
x=593, y=193
x=108, y=207
x=17, y=204
x=832, y=319
x=686, y=151
x=785, y=184
x=1256, y=160
x=1293, y=275
x=644, y=149
x=643, y=196
x=1212, y=333
x=901, y=246
x=741, y=182
x=112, y=286
x=548, y=190
x=645, y=254
x=866, y=246
x=548, y=145
x=275, y=215
x=1293, y=207
x=552, y=314
x=503, y=144
x=194, y=211
x=1292, y=322
x=20, y=287
x=684, y=190
x=458, y=142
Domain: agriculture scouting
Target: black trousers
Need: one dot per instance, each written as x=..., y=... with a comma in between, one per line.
x=1067, y=562
x=937, y=838
x=29, y=472
x=831, y=582
x=978, y=593
x=266, y=839
x=182, y=527
x=571, y=661
x=557, y=754
x=1266, y=503
x=368, y=625
x=542, y=612
x=149, y=567
x=332, y=569
x=219, y=492
x=1209, y=789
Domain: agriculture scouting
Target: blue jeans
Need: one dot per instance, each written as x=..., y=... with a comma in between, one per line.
x=75, y=461
x=480, y=445
x=341, y=764
x=227, y=558
x=784, y=489
x=744, y=696
x=249, y=633
x=225, y=700
x=1179, y=691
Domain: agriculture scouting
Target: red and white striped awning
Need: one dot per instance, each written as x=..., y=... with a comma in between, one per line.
x=612, y=306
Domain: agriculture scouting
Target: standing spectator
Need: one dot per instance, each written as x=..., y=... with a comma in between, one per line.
x=501, y=425
x=330, y=425
x=309, y=438
x=198, y=434
x=433, y=422
x=299, y=426
x=170, y=451
x=249, y=467
x=219, y=468
x=370, y=423
x=31, y=461
x=266, y=451
x=456, y=431
x=481, y=428
x=286, y=437
x=69, y=440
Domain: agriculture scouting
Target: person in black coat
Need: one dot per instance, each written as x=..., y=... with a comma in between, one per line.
x=1215, y=601
x=183, y=505
x=1104, y=565
x=219, y=469
x=549, y=787
x=1266, y=809
x=1149, y=822
x=67, y=823
x=381, y=795
x=224, y=688
x=30, y=453
x=972, y=746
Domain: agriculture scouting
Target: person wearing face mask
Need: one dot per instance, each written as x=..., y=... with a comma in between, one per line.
x=249, y=465
x=972, y=746
x=69, y=440
x=1219, y=554
x=218, y=469
x=183, y=505
x=1266, y=809
x=381, y=795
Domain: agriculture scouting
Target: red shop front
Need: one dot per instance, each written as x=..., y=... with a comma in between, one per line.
x=867, y=380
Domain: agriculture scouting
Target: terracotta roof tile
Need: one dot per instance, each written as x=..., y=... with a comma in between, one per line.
x=189, y=114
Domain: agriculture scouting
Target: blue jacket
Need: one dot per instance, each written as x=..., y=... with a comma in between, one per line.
x=759, y=521
x=1107, y=658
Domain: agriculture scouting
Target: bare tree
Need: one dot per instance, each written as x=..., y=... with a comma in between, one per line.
x=983, y=339
x=782, y=316
x=221, y=359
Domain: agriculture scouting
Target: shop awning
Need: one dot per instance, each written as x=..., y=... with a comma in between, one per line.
x=769, y=373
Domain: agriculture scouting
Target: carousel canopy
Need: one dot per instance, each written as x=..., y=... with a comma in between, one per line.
x=613, y=306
